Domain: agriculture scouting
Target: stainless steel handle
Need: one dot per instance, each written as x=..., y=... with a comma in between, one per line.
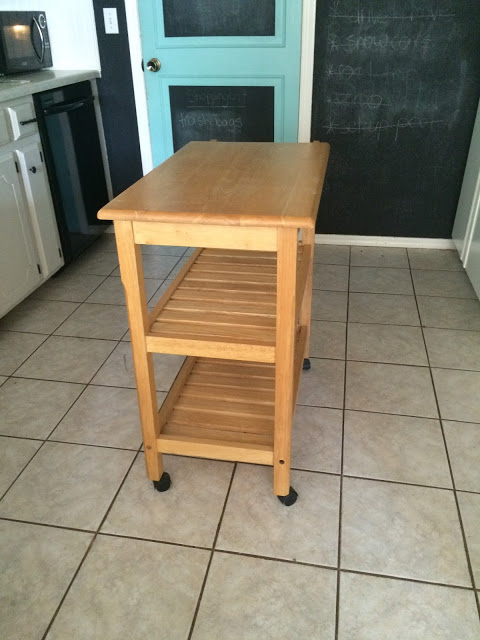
x=42, y=40
x=154, y=65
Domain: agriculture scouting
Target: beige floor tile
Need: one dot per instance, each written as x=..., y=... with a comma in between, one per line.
x=176, y=269
x=389, y=388
x=67, y=359
x=32, y=408
x=38, y=316
x=155, y=266
x=103, y=416
x=2, y=380
x=463, y=443
x=458, y=394
x=68, y=485
x=403, y=531
x=159, y=293
x=15, y=453
x=118, y=369
x=188, y=513
x=453, y=349
x=322, y=386
x=397, y=448
x=382, y=308
x=15, y=348
x=379, y=257
x=449, y=313
x=329, y=305
x=36, y=566
x=256, y=522
x=104, y=321
x=252, y=598
x=163, y=250
x=95, y=263
x=132, y=589
x=470, y=510
x=69, y=287
x=111, y=291
x=386, y=343
x=327, y=339
x=330, y=277
x=317, y=439
x=331, y=254
x=373, y=608
x=443, y=259
x=380, y=280
x=449, y=284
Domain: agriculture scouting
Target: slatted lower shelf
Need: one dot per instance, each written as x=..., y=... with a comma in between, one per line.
x=220, y=409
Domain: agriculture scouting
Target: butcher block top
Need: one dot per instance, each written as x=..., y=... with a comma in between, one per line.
x=229, y=183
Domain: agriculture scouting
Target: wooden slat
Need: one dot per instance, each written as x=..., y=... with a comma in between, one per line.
x=209, y=348
x=228, y=422
x=229, y=394
x=238, y=253
x=236, y=320
x=217, y=450
x=249, y=369
x=230, y=278
x=221, y=382
x=234, y=307
x=202, y=433
x=225, y=297
x=232, y=267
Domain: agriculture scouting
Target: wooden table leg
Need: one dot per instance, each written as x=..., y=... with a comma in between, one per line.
x=285, y=346
x=131, y=270
x=308, y=239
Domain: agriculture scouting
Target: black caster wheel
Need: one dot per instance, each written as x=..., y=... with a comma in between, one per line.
x=289, y=499
x=164, y=483
x=306, y=364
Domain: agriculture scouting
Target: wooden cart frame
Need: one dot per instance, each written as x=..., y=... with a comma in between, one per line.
x=240, y=307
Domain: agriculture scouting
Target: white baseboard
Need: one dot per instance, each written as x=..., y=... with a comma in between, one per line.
x=385, y=241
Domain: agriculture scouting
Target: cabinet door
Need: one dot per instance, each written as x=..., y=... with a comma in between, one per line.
x=39, y=202
x=19, y=271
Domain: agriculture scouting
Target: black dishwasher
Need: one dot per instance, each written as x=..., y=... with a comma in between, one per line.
x=69, y=133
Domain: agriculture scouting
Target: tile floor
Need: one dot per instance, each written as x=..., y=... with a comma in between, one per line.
x=384, y=540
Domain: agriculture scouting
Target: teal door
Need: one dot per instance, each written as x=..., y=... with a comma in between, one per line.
x=220, y=69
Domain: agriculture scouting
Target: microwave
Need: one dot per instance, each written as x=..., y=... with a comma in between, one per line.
x=24, y=41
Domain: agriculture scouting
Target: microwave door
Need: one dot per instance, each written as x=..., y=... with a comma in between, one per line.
x=38, y=40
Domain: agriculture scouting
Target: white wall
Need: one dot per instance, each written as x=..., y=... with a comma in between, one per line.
x=71, y=25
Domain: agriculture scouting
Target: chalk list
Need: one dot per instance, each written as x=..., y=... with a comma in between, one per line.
x=231, y=114
x=396, y=87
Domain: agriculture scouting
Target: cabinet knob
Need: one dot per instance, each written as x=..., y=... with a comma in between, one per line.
x=33, y=169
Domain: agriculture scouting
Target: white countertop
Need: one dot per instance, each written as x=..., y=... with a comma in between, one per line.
x=25, y=84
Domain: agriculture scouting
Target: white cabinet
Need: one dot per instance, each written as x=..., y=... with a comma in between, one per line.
x=18, y=254
x=30, y=249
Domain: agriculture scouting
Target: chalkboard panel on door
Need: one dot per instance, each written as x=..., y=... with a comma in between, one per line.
x=228, y=114
x=396, y=88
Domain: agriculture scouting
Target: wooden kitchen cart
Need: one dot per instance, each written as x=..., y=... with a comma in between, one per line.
x=239, y=309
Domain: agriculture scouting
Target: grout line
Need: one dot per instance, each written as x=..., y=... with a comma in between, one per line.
x=197, y=608
x=47, y=524
x=342, y=454
x=459, y=513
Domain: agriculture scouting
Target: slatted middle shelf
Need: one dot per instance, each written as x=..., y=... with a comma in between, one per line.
x=222, y=304
x=220, y=409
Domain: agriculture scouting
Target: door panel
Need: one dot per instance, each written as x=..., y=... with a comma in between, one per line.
x=18, y=257
x=269, y=62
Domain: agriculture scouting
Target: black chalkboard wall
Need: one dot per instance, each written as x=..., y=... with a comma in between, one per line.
x=396, y=89
x=228, y=114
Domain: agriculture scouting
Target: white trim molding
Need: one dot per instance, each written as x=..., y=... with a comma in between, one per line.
x=306, y=70
x=385, y=241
